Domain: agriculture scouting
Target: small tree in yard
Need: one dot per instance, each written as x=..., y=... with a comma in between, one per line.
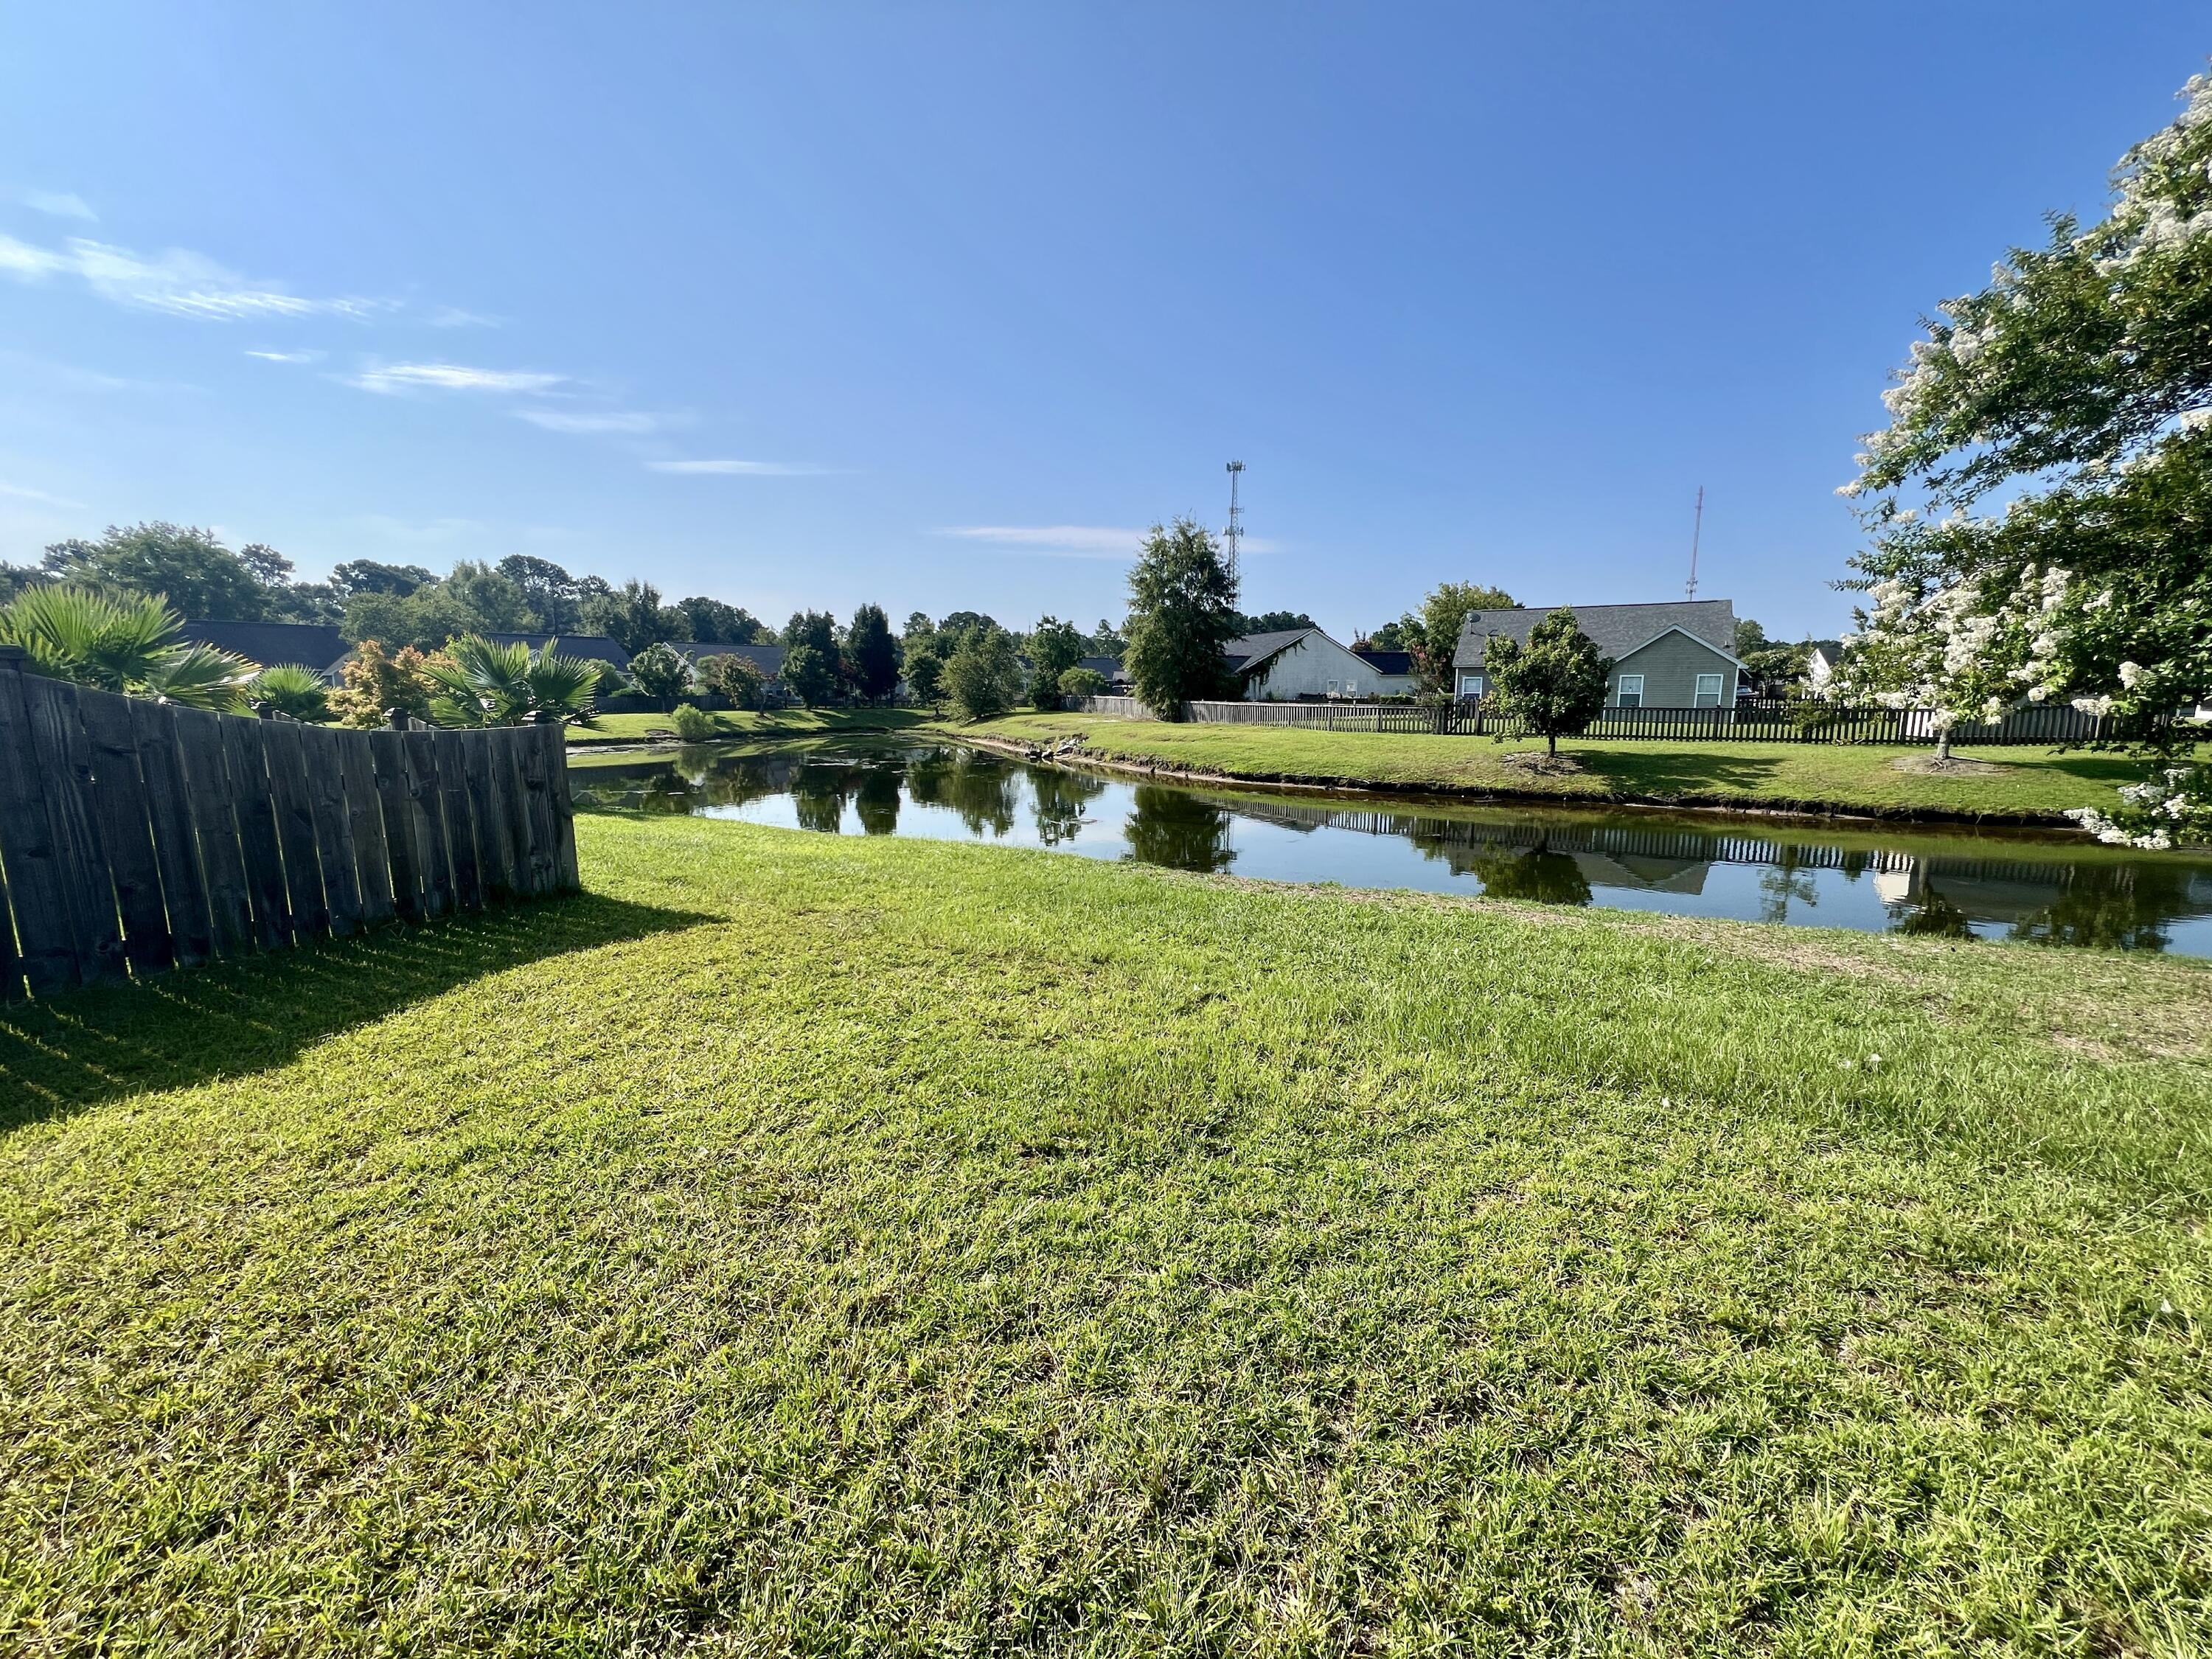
x=1556, y=683
x=737, y=679
x=1081, y=683
x=983, y=677
x=660, y=672
x=810, y=673
x=1432, y=633
x=376, y=683
x=1182, y=610
x=1054, y=647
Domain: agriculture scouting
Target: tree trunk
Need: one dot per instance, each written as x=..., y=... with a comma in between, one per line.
x=1551, y=743
x=1943, y=745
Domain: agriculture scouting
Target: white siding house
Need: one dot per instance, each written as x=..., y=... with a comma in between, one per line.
x=1300, y=663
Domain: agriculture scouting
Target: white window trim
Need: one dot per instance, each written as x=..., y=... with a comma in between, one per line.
x=1470, y=685
x=1697, y=697
x=1623, y=692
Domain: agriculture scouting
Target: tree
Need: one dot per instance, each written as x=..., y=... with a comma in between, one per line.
x=925, y=668
x=1750, y=637
x=367, y=576
x=872, y=653
x=290, y=689
x=1182, y=610
x=661, y=672
x=1556, y=683
x=809, y=673
x=713, y=621
x=376, y=683
x=549, y=589
x=736, y=677
x=1274, y=622
x=1055, y=647
x=633, y=616
x=477, y=683
x=1105, y=640
x=129, y=642
x=191, y=567
x=983, y=677
x=2078, y=384
x=1079, y=682
x=1391, y=636
x=1432, y=633
x=494, y=604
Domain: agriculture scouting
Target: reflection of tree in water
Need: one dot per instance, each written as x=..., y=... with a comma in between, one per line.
x=877, y=800
x=980, y=789
x=1785, y=879
x=1060, y=799
x=817, y=797
x=2119, y=907
x=1935, y=917
x=1180, y=831
x=1541, y=874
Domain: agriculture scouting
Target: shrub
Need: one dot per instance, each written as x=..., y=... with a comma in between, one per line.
x=694, y=724
x=738, y=679
x=1084, y=683
x=291, y=690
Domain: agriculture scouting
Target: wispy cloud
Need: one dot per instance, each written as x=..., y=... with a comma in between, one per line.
x=23, y=492
x=454, y=317
x=743, y=469
x=179, y=283
x=452, y=377
x=1065, y=541
x=288, y=356
x=61, y=204
x=616, y=420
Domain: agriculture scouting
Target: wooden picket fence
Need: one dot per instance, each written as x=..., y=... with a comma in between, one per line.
x=135, y=836
x=1741, y=722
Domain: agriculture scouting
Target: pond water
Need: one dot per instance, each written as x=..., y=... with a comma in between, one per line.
x=2052, y=888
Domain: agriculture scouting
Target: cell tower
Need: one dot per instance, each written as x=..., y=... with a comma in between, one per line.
x=1233, y=536
x=1696, y=529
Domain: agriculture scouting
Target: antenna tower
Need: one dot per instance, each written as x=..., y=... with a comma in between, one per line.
x=1696, y=529
x=1233, y=536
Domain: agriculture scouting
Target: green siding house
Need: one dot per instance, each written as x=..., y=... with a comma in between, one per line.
x=1674, y=655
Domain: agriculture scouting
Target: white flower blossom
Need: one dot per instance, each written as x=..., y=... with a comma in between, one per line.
x=2098, y=706
x=2131, y=675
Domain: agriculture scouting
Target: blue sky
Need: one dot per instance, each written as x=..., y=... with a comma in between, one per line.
x=936, y=305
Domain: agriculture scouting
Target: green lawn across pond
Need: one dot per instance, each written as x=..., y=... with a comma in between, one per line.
x=739, y=723
x=2031, y=783
x=819, y=1245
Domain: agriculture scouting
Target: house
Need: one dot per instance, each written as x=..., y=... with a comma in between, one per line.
x=1296, y=662
x=592, y=647
x=307, y=644
x=768, y=658
x=1108, y=669
x=1678, y=654
x=1820, y=665
x=1394, y=671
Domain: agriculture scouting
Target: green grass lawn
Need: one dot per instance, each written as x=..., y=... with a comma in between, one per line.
x=817, y=1244
x=739, y=723
x=2035, y=783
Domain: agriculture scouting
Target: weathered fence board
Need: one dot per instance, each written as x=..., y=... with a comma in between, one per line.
x=135, y=836
x=214, y=826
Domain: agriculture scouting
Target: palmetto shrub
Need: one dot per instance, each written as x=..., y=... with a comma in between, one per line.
x=125, y=642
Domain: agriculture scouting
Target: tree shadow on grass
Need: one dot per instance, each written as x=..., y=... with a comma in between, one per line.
x=1682, y=771
x=233, y=1018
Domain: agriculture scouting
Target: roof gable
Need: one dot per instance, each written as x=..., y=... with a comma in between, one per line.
x=1618, y=629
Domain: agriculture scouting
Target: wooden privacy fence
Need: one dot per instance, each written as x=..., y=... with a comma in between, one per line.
x=1744, y=721
x=136, y=836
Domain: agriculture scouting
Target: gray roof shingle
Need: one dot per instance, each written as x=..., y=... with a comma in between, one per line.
x=310, y=645
x=1252, y=650
x=1617, y=628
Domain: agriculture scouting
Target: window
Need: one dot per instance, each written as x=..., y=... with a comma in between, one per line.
x=1631, y=691
x=1709, y=690
x=1470, y=685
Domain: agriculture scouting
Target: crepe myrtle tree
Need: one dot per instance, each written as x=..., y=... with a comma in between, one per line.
x=2036, y=507
x=1556, y=683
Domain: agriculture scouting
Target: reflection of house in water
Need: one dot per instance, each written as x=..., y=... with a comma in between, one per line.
x=2085, y=901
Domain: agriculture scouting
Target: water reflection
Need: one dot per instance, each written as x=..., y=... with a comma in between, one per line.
x=1961, y=884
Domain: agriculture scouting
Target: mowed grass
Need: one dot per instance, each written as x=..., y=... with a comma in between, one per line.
x=2033, y=783
x=806, y=1244
x=751, y=723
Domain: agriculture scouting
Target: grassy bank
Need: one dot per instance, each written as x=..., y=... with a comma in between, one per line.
x=742, y=723
x=805, y=1243
x=2032, y=784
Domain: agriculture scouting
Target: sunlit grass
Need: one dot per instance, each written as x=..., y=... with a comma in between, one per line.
x=821, y=1244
